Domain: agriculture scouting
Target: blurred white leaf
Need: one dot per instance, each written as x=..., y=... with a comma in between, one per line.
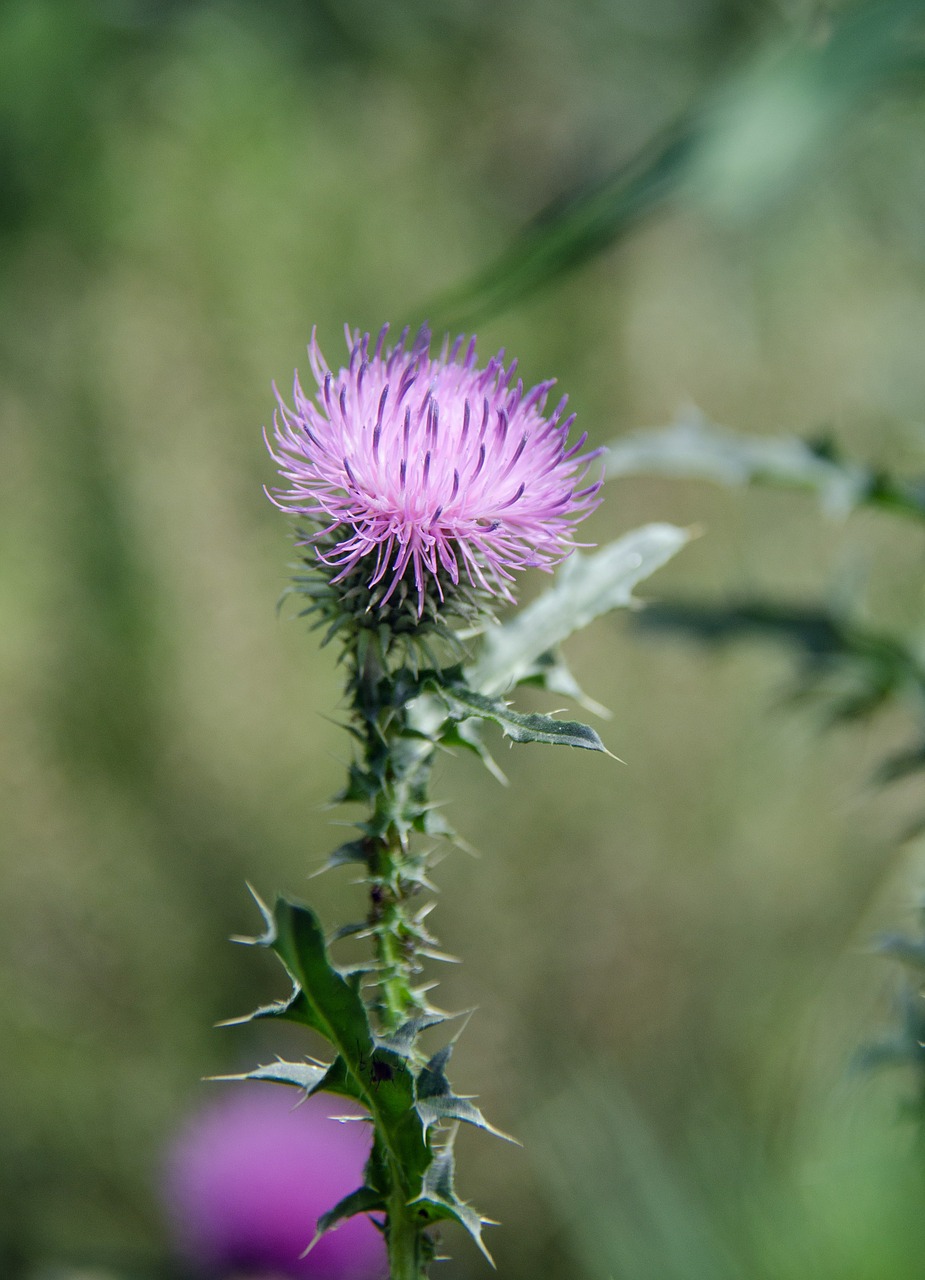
x=697, y=448
x=585, y=588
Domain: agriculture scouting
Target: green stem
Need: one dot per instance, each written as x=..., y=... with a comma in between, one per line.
x=405, y=1252
x=395, y=942
x=397, y=768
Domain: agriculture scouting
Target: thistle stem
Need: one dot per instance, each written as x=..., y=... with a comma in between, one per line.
x=394, y=934
x=396, y=769
x=405, y=1252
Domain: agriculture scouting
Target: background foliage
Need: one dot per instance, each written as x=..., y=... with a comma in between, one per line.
x=670, y=957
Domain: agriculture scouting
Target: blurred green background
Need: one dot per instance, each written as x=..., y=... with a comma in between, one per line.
x=669, y=956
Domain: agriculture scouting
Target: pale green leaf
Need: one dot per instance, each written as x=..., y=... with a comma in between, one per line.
x=585, y=588
x=304, y=1075
x=694, y=447
x=462, y=703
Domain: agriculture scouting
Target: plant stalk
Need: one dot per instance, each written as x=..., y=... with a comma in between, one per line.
x=405, y=1241
x=397, y=771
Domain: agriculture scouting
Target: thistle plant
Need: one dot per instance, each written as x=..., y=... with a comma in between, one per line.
x=423, y=485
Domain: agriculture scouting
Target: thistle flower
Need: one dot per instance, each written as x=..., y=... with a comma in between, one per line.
x=424, y=474
x=247, y=1178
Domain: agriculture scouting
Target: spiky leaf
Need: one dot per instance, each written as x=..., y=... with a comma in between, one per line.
x=329, y=1004
x=462, y=703
x=350, y=851
x=695, y=447
x=363, y=1200
x=304, y=1075
x=437, y=1102
x=439, y=1202
x=402, y=1040
x=324, y=1000
x=585, y=588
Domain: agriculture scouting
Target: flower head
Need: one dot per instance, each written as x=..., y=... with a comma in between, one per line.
x=424, y=473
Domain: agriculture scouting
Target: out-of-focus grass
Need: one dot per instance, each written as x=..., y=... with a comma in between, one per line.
x=187, y=188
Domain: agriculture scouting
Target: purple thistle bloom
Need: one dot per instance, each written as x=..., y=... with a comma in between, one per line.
x=248, y=1177
x=426, y=470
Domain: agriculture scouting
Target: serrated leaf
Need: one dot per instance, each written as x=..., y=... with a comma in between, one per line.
x=436, y=1101
x=356, y=928
x=269, y=924
x=340, y=1080
x=292, y=1009
x=329, y=1004
x=446, y=1108
x=695, y=447
x=440, y=1179
x=437, y=1210
x=360, y=787
x=439, y=1201
x=874, y=665
x=402, y=1040
x=463, y=702
x=326, y=1001
x=376, y=1171
x=384, y=1084
x=363, y=1200
x=349, y=852
x=585, y=588
x=432, y=1080
x=303, y=1075
x=433, y=823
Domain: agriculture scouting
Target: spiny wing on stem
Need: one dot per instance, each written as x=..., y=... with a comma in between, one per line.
x=402, y=1040
x=438, y=1200
x=363, y=1200
x=437, y=1102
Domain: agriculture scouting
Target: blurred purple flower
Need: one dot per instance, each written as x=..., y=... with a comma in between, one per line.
x=247, y=1178
x=424, y=468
